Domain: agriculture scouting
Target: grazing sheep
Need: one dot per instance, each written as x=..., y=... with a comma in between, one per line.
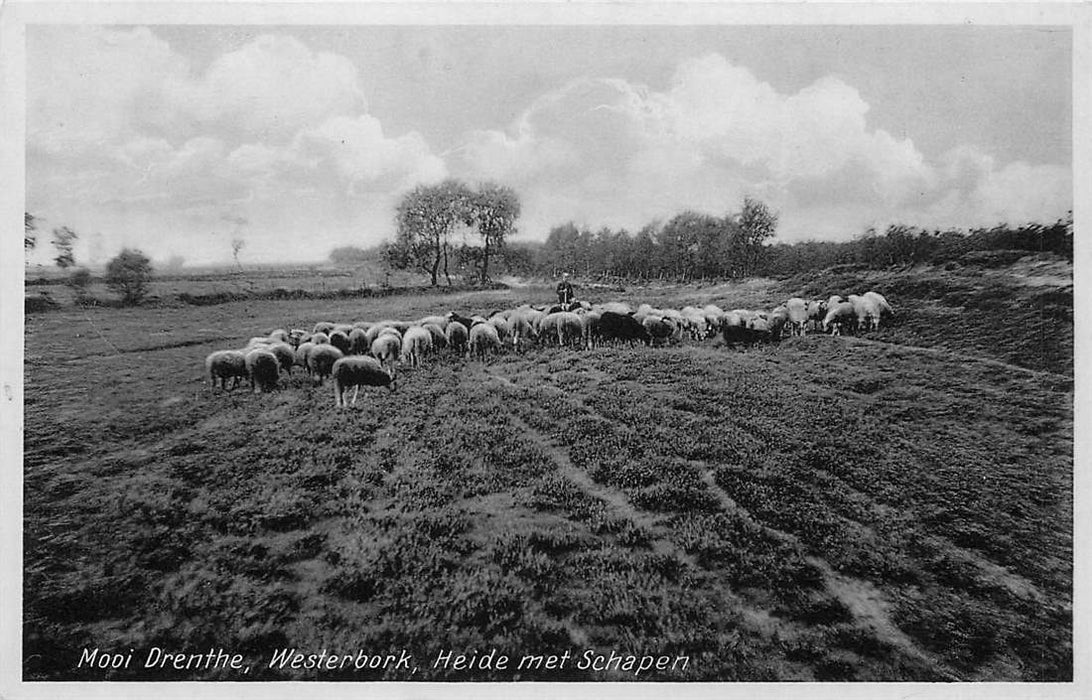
x=501, y=324
x=745, y=314
x=320, y=338
x=696, y=324
x=452, y=316
x=732, y=319
x=285, y=355
x=817, y=311
x=279, y=334
x=386, y=349
x=297, y=336
x=881, y=304
x=323, y=327
x=798, y=316
x=224, y=365
x=340, y=341
x=301, y=354
x=618, y=327
x=264, y=370
x=342, y=328
x=572, y=329
x=759, y=323
x=840, y=317
x=659, y=329
x=358, y=341
x=355, y=372
x=415, y=343
x=483, y=339
x=440, y=321
x=644, y=311
x=259, y=341
x=592, y=334
x=521, y=328
x=377, y=328
x=439, y=340
x=548, y=327
x=867, y=310
x=777, y=320
x=321, y=359
x=458, y=336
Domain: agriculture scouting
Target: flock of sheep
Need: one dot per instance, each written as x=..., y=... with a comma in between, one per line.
x=369, y=353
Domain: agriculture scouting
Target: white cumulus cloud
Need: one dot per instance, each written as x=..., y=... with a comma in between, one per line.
x=125, y=133
x=627, y=154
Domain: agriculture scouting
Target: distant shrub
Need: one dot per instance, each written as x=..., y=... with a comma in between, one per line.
x=129, y=274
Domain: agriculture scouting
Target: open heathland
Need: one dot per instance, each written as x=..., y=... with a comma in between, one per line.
x=891, y=506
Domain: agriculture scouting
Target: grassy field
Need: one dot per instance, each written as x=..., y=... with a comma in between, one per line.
x=896, y=506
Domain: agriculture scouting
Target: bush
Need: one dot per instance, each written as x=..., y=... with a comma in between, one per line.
x=129, y=274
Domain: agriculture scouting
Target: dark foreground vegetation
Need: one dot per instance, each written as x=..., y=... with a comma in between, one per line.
x=896, y=506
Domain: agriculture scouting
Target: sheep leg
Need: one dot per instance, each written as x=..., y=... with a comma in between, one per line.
x=356, y=390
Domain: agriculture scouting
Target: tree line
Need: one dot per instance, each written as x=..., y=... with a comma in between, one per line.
x=692, y=246
x=689, y=246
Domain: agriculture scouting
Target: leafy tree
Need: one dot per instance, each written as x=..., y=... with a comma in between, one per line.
x=645, y=252
x=426, y=218
x=495, y=210
x=129, y=274
x=30, y=231
x=63, y=240
x=559, y=251
x=757, y=225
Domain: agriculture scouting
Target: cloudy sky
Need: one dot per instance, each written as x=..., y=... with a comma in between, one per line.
x=176, y=139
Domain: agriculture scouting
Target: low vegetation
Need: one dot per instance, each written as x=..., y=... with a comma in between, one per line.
x=895, y=506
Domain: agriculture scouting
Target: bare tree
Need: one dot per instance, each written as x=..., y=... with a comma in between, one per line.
x=237, y=245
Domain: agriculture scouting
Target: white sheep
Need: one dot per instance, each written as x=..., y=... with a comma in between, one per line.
x=881, y=303
x=358, y=341
x=376, y=328
x=798, y=316
x=867, y=310
x=264, y=370
x=521, y=327
x=457, y=336
x=483, y=339
x=355, y=372
x=386, y=349
x=301, y=354
x=840, y=316
x=340, y=340
x=439, y=339
x=440, y=321
x=286, y=356
x=321, y=359
x=415, y=343
x=224, y=365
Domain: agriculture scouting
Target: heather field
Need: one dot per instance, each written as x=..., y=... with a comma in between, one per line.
x=892, y=506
